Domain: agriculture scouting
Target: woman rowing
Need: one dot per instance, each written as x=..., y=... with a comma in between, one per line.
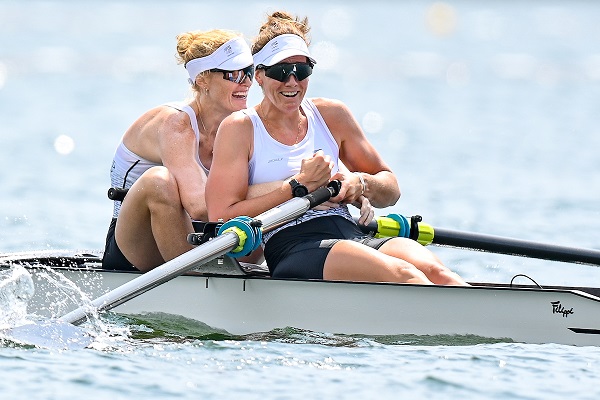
x=164, y=157
x=302, y=141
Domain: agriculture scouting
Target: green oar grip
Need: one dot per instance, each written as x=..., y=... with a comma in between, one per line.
x=398, y=225
x=426, y=234
x=391, y=226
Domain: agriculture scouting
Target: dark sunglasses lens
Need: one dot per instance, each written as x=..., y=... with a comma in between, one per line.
x=281, y=72
x=303, y=71
x=249, y=72
x=239, y=75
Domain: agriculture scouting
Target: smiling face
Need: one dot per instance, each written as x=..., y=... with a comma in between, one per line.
x=231, y=96
x=287, y=95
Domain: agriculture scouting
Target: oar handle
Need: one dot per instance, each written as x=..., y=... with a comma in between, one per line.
x=323, y=194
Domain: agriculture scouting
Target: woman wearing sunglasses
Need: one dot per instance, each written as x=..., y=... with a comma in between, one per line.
x=164, y=157
x=304, y=142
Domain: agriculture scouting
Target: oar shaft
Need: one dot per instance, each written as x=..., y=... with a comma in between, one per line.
x=489, y=243
x=153, y=278
x=503, y=245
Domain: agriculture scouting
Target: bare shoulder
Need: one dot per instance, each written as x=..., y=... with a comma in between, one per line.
x=173, y=120
x=234, y=137
x=155, y=130
x=331, y=108
x=159, y=119
x=337, y=116
x=237, y=117
x=235, y=122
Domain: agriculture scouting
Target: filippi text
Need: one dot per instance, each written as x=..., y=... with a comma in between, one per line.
x=558, y=308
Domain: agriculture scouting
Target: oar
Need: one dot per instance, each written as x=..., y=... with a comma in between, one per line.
x=230, y=240
x=397, y=225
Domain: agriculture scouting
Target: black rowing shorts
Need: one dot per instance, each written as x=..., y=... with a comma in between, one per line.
x=300, y=251
x=113, y=257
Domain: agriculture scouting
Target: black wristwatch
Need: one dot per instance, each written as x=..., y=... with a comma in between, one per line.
x=298, y=189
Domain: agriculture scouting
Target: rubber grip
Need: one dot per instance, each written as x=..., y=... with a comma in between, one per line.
x=117, y=194
x=323, y=194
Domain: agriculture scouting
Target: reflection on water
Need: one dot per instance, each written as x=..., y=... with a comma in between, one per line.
x=174, y=328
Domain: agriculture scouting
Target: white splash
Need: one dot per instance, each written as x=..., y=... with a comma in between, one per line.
x=16, y=289
x=41, y=325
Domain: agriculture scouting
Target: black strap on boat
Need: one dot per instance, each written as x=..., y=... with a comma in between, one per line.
x=119, y=193
x=414, y=226
x=524, y=276
x=204, y=231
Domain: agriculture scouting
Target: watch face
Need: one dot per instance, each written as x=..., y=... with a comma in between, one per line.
x=300, y=191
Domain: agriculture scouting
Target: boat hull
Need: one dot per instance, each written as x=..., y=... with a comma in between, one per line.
x=249, y=304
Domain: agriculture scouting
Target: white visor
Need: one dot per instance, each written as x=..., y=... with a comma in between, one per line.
x=281, y=47
x=231, y=56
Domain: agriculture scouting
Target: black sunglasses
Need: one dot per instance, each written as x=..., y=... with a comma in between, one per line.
x=237, y=76
x=282, y=72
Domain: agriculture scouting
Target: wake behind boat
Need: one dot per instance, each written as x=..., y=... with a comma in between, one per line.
x=242, y=299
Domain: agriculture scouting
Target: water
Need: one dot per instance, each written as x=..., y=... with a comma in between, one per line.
x=487, y=111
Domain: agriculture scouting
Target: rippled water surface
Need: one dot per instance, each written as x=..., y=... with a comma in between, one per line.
x=488, y=112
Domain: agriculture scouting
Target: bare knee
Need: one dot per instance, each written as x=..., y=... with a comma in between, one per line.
x=407, y=273
x=423, y=259
x=349, y=260
x=441, y=275
x=158, y=184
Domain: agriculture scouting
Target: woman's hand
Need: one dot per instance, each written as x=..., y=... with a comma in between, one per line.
x=315, y=171
x=367, y=212
x=352, y=188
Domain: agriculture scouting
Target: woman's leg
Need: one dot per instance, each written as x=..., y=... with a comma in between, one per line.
x=419, y=256
x=152, y=226
x=352, y=261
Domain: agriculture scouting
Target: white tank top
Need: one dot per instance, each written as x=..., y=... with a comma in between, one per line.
x=273, y=161
x=127, y=166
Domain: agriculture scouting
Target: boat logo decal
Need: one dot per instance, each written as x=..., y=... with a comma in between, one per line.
x=558, y=308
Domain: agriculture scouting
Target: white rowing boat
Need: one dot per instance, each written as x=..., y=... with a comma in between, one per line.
x=205, y=285
x=242, y=299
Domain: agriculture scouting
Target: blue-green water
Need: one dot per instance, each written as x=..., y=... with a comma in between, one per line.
x=489, y=113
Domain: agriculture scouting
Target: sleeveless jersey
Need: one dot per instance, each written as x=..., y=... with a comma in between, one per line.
x=127, y=166
x=272, y=160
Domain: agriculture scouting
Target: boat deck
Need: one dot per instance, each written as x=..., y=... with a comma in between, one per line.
x=223, y=266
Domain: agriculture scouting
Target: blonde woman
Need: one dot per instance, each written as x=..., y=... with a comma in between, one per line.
x=164, y=157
